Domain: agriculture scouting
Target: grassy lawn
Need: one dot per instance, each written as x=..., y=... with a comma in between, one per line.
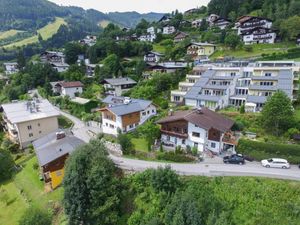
x=159, y=48
x=64, y=122
x=46, y=32
x=9, y=33
x=140, y=144
x=23, y=190
x=258, y=50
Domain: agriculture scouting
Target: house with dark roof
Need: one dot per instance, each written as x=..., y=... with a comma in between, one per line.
x=123, y=114
x=52, y=151
x=153, y=57
x=199, y=128
x=118, y=86
x=65, y=88
x=180, y=36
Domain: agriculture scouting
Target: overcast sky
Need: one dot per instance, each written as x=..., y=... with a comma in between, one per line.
x=141, y=6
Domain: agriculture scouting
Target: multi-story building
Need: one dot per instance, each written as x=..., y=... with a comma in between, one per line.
x=153, y=30
x=255, y=30
x=200, y=50
x=200, y=128
x=147, y=37
x=248, y=85
x=123, y=114
x=70, y=89
x=52, y=57
x=177, y=96
x=27, y=121
x=222, y=23
x=169, y=29
x=89, y=40
x=118, y=86
x=213, y=89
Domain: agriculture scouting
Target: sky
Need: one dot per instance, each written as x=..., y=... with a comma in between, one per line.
x=141, y=6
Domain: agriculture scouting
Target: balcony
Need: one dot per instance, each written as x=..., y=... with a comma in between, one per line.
x=178, y=93
x=229, y=138
x=173, y=133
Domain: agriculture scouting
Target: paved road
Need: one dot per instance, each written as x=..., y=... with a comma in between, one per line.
x=205, y=169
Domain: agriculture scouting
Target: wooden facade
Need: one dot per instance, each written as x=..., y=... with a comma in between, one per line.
x=214, y=135
x=55, y=165
x=130, y=119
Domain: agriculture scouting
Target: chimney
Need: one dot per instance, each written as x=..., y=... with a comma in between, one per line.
x=60, y=135
x=127, y=100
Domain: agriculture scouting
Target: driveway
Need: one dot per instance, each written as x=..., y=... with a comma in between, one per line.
x=208, y=168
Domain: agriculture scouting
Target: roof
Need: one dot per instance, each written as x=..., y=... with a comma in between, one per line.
x=120, y=81
x=181, y=35
x=155, y=53
x=48, y=148
x=58, y=64
x=119, y=108
x=29, y=110
x=203, y=118
x=201, y=44
x=244, y=19
x=81, y=101
x=10, y=64
x=71, y=84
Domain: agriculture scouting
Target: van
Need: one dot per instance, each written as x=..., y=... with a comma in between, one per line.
x=275, y=163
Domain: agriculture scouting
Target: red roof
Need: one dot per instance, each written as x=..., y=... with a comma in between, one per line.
x=71, y=84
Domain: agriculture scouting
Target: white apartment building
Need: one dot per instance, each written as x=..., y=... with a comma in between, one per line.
x=169, y=29
x=27, y=121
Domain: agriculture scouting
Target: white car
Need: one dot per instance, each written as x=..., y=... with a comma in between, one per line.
x=275, y=163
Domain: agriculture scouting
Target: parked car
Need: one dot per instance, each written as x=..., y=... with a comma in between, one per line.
x=234, y=159
x=275, y=163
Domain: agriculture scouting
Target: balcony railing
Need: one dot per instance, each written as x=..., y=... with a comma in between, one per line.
x=173, y=133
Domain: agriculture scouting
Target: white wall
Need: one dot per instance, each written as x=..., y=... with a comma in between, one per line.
x=71, y=91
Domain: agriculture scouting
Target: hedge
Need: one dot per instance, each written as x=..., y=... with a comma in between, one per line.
x=173, y=157
x=262, y=150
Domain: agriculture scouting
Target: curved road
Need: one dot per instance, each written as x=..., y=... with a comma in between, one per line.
x=81, y=131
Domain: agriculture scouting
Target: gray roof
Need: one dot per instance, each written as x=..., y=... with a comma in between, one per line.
x=120, y=81
x=135, y=105
x=113, y=100
x=48, y=148
x=263, y=87
x=256, y=99
x=29, y=110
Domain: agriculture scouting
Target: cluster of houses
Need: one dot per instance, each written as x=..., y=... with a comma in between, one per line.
x=217, y=86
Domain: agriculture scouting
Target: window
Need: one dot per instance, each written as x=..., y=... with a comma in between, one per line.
x=212, y=145
x=144, y=113
x=30, y=134
x=168, y=138
x=183, y=141
x=195, y=134
x=39, y=124
x=195, y=144
x=268, y=74
x=148, y=112
x=40, y=132
x=111, y=126
x=131, y=126
x=196, y=125
x=29, y=127
x=106, y=124
x=153, y=111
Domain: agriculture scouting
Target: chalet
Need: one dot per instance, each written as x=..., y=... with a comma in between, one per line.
x=153, y=57
x=118, y=86
x=180, y=36
x=123, y=114
x=259, y=35
x=200, y=128
x=147, y=37
x=212, y=18
x=52, y=152
x=64, y=88
x=60, y=67
x=52, y=57
x=200, y=50
x=222, y=23
x=248, y=23
x=89, y=40
x=11, y=68
x=169, y=29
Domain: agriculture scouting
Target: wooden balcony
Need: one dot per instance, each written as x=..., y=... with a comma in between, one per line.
x=175, y=134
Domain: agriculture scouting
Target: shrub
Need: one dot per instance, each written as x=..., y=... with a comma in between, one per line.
x=171, y=156
x=188, y=149
x=194, y=151
x=291, y=132
x=126, y=144
x=261, y=150
x=178, y=150
x=35, y=166
x=35, y=216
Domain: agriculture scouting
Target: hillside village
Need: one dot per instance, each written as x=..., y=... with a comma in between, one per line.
x=190, y=91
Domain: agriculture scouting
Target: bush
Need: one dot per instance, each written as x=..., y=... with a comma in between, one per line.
x=126, y=144
x=194, y=151
x=261, y=150
x=35, y=216
x=171, y=156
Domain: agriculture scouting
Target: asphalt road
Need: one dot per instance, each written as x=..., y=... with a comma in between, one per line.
x=254, y=169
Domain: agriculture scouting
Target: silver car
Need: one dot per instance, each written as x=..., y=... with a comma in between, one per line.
x=275, y=163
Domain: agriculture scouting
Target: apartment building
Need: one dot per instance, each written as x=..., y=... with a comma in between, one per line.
x=123, y=114
x=27, y=121
x=249, y=85
x=177, y=96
